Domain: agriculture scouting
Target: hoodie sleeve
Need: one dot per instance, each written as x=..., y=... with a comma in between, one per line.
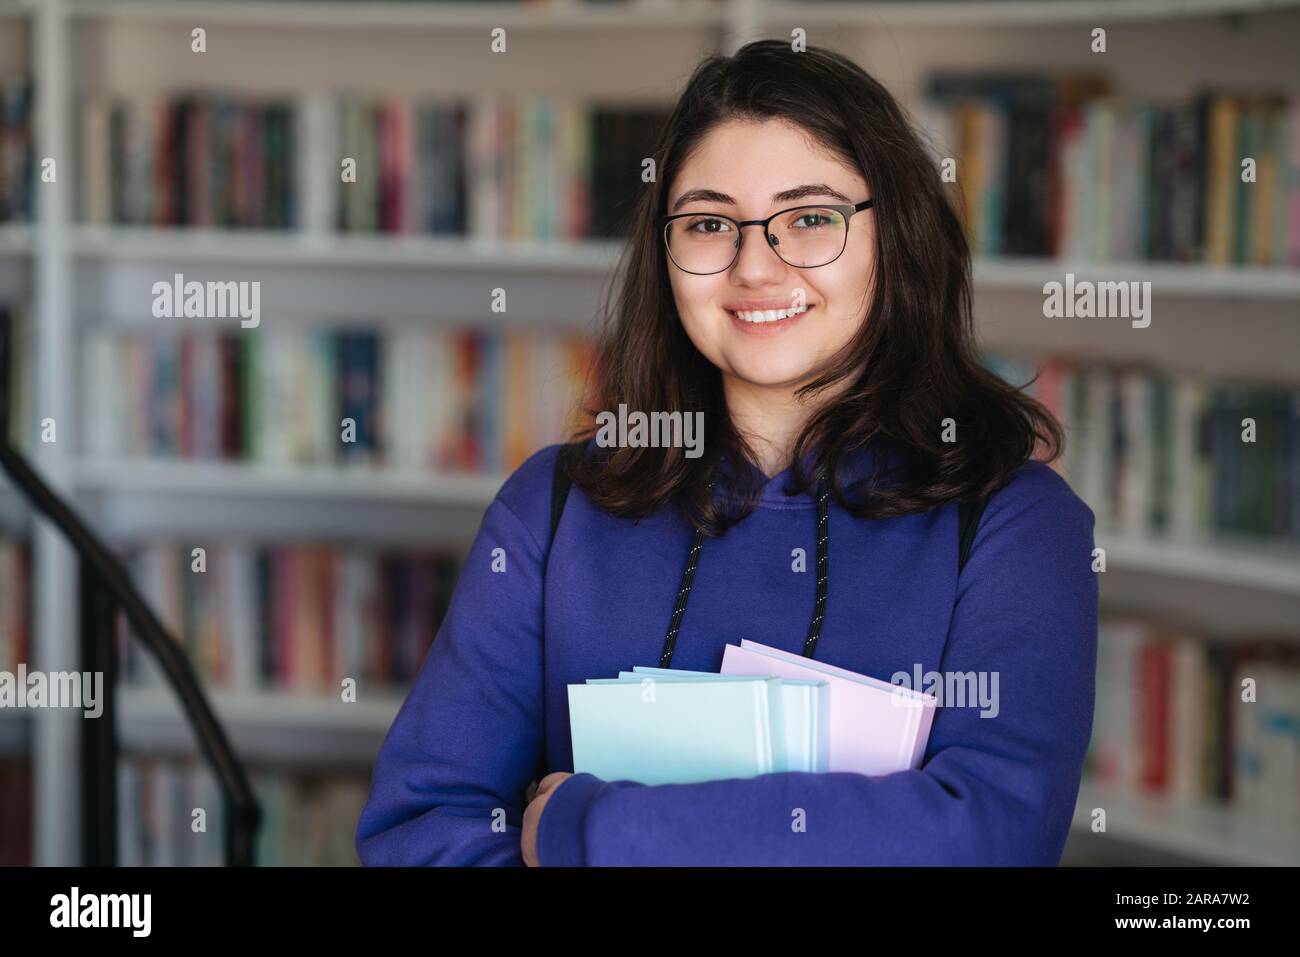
x=448, y=783
x=996, y=790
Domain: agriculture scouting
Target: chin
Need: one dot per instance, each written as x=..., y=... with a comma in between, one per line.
x=772, y=372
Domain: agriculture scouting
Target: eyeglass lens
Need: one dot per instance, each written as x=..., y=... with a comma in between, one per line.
x=708, y=242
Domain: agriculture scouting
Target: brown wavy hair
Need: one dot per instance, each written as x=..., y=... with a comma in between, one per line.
x=912, y=364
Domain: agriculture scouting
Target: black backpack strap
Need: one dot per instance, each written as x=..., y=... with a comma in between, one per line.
x=561, y=482
x=969, y=513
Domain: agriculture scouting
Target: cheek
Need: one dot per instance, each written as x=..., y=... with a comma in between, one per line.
x=849, y=299
x=698, y=316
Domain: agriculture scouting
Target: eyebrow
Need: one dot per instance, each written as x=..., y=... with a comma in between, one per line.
x=786, y=195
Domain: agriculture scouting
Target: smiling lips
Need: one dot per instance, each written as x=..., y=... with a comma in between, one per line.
x=765, y=317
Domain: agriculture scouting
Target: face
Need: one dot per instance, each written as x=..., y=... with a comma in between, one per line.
x=747, y=165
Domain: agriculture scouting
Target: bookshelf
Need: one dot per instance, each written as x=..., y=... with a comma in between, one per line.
x=79, y=276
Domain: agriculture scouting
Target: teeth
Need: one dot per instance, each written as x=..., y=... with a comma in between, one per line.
x=769, y=315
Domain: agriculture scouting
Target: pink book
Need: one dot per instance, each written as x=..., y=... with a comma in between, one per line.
x=875, y=728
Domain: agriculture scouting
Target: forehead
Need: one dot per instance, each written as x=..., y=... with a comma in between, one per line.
x=752, y=159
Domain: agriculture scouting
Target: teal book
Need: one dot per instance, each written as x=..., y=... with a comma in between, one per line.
x=674, y=732
x=804, y=715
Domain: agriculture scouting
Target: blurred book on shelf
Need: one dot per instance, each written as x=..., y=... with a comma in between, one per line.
x=488, y=167
x=292, y=618
x=15, y=811
x=15, y=589
x=1165, y=455
x=413, y=396
x=308, y=817
x=1190, y=718
x=1060, y=167
x=17, y=170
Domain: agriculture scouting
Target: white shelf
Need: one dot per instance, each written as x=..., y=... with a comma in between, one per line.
x=948, y=13
x=597, y=256
x=1183, y=279
x=278, y=710
x=281, y=728
x=572, y=16
x=283, y=247
x=1264, y=566
x=1202, y=831
x=319, y=482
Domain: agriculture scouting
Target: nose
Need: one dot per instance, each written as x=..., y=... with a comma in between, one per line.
x=756, y=260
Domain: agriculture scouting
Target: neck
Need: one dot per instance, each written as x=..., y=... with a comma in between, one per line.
x=770, y=419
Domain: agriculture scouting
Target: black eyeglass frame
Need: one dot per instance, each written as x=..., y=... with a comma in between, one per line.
x=844, y=210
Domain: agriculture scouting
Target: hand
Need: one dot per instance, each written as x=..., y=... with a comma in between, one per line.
x=533, y=815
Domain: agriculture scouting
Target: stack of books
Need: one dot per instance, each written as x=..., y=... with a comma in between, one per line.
x=766, y=711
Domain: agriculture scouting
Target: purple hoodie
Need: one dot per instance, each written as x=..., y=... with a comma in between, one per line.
x=488, y=711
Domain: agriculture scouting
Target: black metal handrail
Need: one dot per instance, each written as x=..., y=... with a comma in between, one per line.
x=106, y=586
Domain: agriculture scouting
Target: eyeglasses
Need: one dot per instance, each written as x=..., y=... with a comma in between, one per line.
x=803, y=236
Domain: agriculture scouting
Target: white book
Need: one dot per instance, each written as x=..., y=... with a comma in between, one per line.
x=1097, y=474
x=276, y=396
x=408, y=356
x=354, y=596
x=1074, y=158
x=319, y=162
x=1119, y=751
x=1138, y=468
x=102, y=395
x=1101, y=126
x=239, y=612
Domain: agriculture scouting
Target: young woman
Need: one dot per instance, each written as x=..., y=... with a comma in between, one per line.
x=796, y=275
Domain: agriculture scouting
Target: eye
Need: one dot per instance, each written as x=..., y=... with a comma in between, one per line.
x=813, y=219
x=708, y=226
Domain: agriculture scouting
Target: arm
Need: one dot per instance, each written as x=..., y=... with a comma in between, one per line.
x=996, y=790
x=448, y=783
